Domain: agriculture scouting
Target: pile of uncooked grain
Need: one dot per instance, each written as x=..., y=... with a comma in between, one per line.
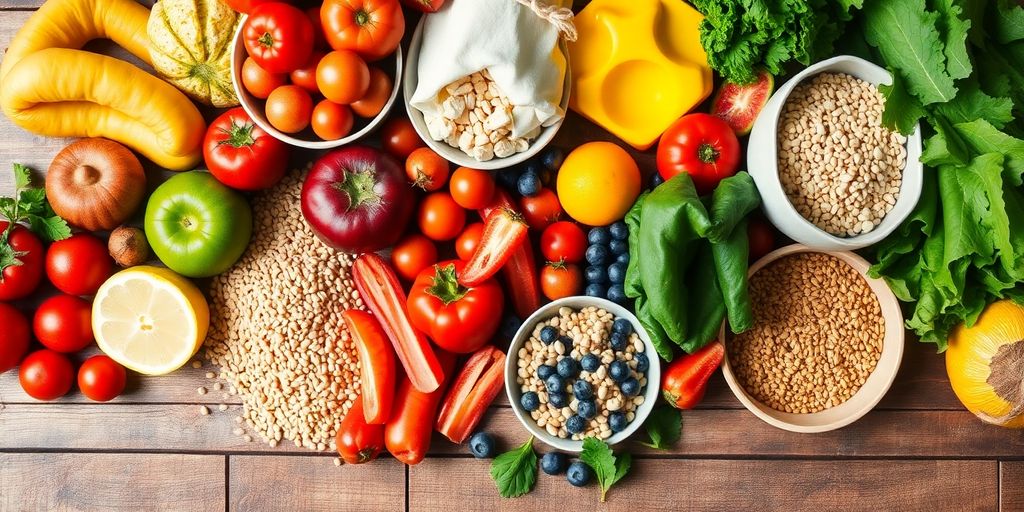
x=276, y=329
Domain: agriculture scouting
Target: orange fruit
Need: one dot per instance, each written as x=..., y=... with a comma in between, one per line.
x=598, y=183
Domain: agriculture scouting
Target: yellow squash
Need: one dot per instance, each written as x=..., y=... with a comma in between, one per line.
x=51, y=87
x=985, y=364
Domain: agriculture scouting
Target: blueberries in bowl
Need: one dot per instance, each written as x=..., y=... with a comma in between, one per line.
x=544, y=371
x=619, y=341
x=586, y=409
x=619, y=371
x=558, y=399
x=575, y=424
x=630, y=387
x=555, y=383
x=568, y=368
x=548, y=335
x=582, y=390
x=530, y=401
x=623, y=326
x=642, y=363
x=617, y=421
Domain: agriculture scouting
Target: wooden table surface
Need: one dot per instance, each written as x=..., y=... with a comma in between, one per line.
x=150, y=449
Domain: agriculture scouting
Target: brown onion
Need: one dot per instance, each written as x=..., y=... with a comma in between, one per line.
x=95, y=184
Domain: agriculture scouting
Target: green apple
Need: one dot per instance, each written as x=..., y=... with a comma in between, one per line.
x=197, y=226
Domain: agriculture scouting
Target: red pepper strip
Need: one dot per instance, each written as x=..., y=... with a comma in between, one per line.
x=378, y=285
x=504, y=232
x=377, y=364
x=357, y=440
x=686, y=379
x=480, y=381
x=407, y=434
x=520, y=270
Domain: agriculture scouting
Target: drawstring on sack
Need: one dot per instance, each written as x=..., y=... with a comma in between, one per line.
x=560, y=17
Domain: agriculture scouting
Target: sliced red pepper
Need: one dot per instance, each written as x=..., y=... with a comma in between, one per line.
x=520, y=271
x=410, y=428
x=686, y=379
x=471, y=394
x=504, y=231
x=378, y=285
x=376, y=362
x=357, y=440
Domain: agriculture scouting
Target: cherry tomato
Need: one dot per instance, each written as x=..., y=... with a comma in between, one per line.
x=469, y=240
x=558, y=280
x=440, y=217
x=399, y=138
x=319, y=38
x=101, y=379
x=427, y=169
x=331, y=121
x=305, y=76
x=412, y=254
x=761, y=236
x=289, y=108
x=260, y=82
x=471, y=188
x=343, y=76
x=376, y=97
x=14, y=342
x=79, y=265
x=563, y=241
x=19, y=281
x=46, y=375
x=278, y=36
x=541, y=209
x=64, y=323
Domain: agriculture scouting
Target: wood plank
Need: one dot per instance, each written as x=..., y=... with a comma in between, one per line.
x=158, y=482
x=314, y=484
x=725, y=485
x=1011, y=486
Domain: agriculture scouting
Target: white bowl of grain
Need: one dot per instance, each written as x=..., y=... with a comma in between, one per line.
x=767, y=143
x=801, y=358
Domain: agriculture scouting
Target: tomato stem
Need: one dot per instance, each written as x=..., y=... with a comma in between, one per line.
x=707, y=153
x=446, y=286
x=358, y=186
x=266, y=40
x=239, y=135
x=362, y=17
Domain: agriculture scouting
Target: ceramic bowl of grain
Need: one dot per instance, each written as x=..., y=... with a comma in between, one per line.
x=826, y=345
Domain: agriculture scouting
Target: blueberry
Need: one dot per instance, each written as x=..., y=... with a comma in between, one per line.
x=617, y=273
x=587, y=409
x=596, y=274
x=510, y=326
x=575, y=424
x=555, y=383
x=578, y=474
x=558, y=399
x=619, y=231
x=590, y=363
x=509, y=178
x=623, y=258
x=547, y=177
x=630, y=387
x=582, y=390
x=535, y=166
x=598, y=236
x=597, y=254
x=552, y=157
x=548, y=334
x=618, y=247
x=642, y=363
x=617, y=421
x=530, y=401
x=622, y=325
x=481, y=445
x=544, y=371
x=567, y=341
x=617, y=294
x=656, y=180
x=596, y=290
x=619, y=341
x=619, y=371
x=553, y=463
x=528, y=184
x=568, y=368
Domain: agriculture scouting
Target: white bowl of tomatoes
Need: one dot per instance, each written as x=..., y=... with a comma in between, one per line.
x=316, y=88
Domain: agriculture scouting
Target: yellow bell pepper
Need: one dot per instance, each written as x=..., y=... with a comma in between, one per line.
x=51, y=87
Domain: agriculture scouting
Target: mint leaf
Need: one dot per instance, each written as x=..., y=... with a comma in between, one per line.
x=515, y=472
x=664, y=427
x=608, y=468
x=50, y=229
x=953, y=25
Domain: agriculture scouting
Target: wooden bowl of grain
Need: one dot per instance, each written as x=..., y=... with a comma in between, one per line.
x=826, y=344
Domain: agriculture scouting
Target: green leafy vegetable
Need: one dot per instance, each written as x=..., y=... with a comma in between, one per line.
x=515, y=472
x=664, y=427
x=29, y=206
x=608, y=468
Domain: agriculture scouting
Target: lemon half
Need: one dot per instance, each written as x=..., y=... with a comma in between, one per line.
x=150, y=319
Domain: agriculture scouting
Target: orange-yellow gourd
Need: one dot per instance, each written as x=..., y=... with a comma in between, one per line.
x=985, y=364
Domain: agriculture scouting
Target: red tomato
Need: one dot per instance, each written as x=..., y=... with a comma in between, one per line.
x=79, y=265
x=241, y=155
x=289, y=108
x=424, y=5
x=541, y=209
x=471, y=188
x=331, y=121
x=245, y=6
x=427, y=169
x=46, y=375
x=101, y=379
x=260, y=82
x=761, y=236
x=469, y=240
x=558, y=280
x=278, y=36
x=319, y=38
x=359, y=442
x=64, y=323
x=14, y=342
x=376, y=97
x=563, y=241
x=19, y=281
x=412, y=255
x=399, y=138
x=702, y=145
x=371, y=28
x=458, y=319
x=343, y=76
x=305, y=76
x=440, y=218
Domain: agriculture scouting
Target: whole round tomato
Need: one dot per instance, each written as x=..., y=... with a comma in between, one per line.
x=702, y=145
x=46, y=375
x=331, y=121
x=19, y=281
x=371, y=28
x=319, y=38
x=343, y=76
x=241, y=155
x=563, y=241
x=399, y=138
x=289, y=108
x=440, y=217
x=260, y=82
x=427, y=169
x=558, y=280
x=456, y=318
x=376, y=97
x=471, y=188
x=541, y=210
x=412, y=254
x=278, y=36
x=101, y=379
x=79, y=265
x=761, y=237
x=305, y=76
x=14, y=342
x=64, y=323
x=469, y=240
